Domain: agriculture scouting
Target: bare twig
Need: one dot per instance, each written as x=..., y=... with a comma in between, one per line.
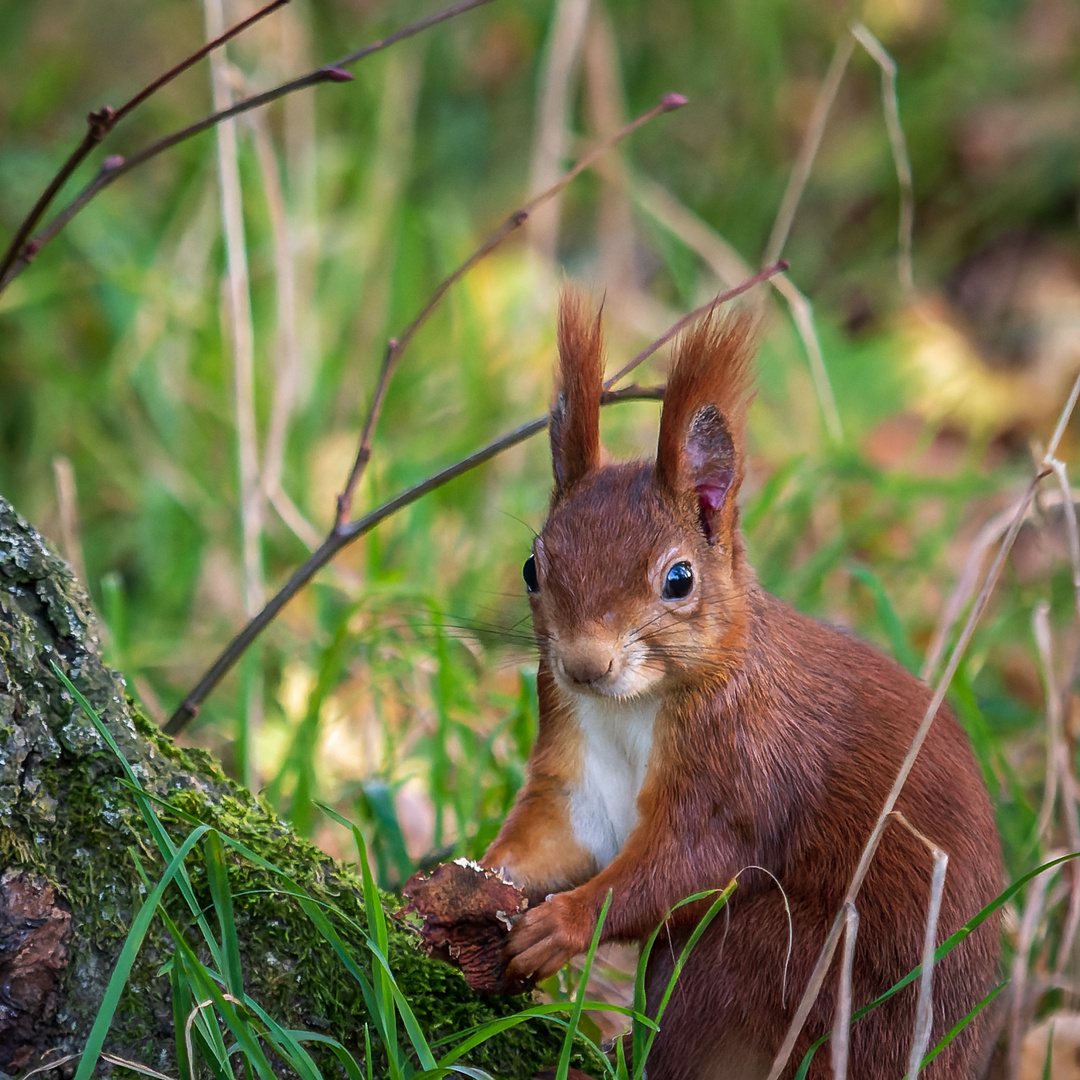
x=99, y=124
x=728, y=265
x=353, y=530
x=395, y=347
x=115, y=167
x=343, y=535
x=721, y=298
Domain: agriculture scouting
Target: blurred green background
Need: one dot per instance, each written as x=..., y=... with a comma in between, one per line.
x=398, y=686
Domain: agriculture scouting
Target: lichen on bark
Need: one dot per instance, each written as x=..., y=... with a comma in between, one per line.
x=70, y=831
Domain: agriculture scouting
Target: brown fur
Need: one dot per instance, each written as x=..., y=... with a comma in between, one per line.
x=575, y=414
x=775, y=742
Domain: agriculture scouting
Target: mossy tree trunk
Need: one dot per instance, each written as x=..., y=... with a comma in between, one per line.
x=70, y=832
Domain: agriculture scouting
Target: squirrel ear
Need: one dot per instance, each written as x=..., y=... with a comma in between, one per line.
x=574, y=426
x=699, y=458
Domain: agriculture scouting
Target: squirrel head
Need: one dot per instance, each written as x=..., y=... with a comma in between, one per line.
x=638, y=579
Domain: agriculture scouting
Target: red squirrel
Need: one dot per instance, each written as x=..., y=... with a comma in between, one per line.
x=692, y=726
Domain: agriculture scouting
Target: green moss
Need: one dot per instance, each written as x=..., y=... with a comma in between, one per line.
x=66, y=816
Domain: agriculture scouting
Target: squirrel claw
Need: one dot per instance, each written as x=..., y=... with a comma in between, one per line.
x=545, y=938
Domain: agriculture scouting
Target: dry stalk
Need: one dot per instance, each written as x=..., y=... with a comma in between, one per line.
x=112, y=1059
x=1018, y=1009
x=804, y=162
x=1059, y=778
x=67, y=501
x=240, y=325
x=192, y=1016
x=605, y=107
x=560, y=66
x=841, y=1037
x=803, y=313
x=287, y=344
x=924, y=1010
x=891, y=107
x=967, y=583
x=1043, y=640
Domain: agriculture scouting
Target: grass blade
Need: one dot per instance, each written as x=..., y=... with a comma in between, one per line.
x=579, y=1001
x=118, y=980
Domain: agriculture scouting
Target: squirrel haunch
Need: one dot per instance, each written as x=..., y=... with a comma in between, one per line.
x=694, y=728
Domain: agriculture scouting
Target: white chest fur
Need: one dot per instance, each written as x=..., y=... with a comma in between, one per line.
x=616, y=741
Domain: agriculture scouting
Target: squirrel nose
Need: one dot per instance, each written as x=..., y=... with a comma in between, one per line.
x=587, y=661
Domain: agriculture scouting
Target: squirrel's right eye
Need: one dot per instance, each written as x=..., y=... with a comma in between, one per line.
x=528, y=572
x=678, y=582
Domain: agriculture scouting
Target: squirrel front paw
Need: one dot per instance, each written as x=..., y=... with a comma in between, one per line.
x=545, y=937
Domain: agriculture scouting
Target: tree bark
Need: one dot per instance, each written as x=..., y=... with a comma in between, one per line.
x=70, y=831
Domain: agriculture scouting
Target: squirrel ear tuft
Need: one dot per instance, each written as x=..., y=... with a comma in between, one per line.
x=699, y=456
x=574, y=426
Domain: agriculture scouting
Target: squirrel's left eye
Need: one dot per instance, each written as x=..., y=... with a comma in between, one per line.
x=678, y=582
x=528, y=572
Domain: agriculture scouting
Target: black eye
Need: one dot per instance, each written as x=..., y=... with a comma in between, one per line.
x=679, y=582
x=528, y=572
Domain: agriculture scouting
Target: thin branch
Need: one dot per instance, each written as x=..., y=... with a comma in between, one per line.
x=99, y=124
x=344, y=534
x=353, y=530
x=363, y=453
x=395, y=347
x=114, y=167
x=728, y=265
x=721, y=298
